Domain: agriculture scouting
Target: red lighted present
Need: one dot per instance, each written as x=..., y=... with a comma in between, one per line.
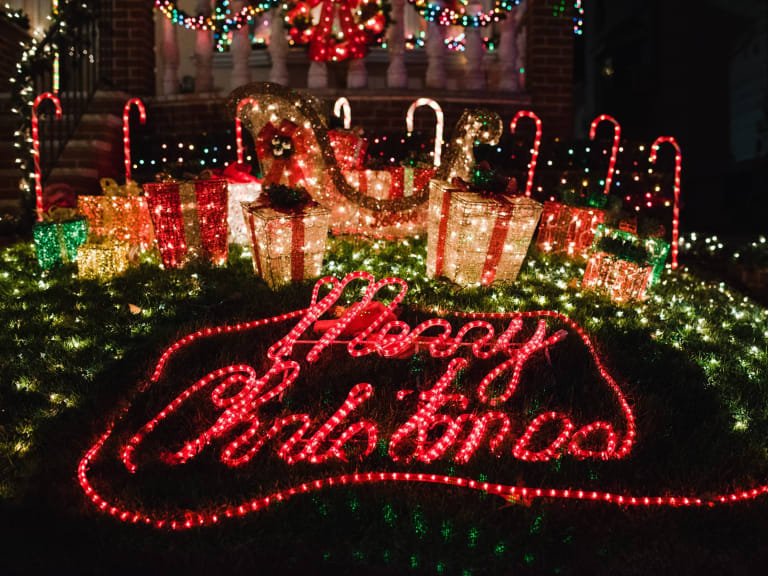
x=190, y=220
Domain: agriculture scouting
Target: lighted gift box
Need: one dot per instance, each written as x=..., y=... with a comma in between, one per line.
x=58, y=237
x=189, y=219
x=103, y=258
x=288, y=244
x=349, y=217
x=121, y=213
x=349, y=149
x=568, y=230
x=623, y=265
x=475, y=238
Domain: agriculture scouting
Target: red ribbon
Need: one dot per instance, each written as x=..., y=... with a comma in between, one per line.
x=297, y=249
x=280, y=165
x=397, y=187
x=496, y=246
x=442, y=232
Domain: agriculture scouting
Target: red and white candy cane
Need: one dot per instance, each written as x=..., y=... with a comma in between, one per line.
x=676, y=209
x=127, y=131
x=536, y=145
x=239, y=127
x=438, y=128
x=614, y=149
x=342, y=108
x=36, y=147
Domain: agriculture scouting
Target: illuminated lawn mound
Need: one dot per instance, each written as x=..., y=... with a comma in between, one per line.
x=691, y=362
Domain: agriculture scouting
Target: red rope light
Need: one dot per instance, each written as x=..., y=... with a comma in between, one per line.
x=390, y=338
x=614, y=148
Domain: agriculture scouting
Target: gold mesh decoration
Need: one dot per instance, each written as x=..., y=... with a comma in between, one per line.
x=476, y=126
x=324, y=176
x=476, y=238
x=288, y=245
x=103, y=258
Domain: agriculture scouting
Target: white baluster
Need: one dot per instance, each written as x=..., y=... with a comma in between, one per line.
x=397, y=75
x=510, y=72
x=474, y=38
x=204, y=53
x=170, y=58
x=357, y=75
x=317, y=77
x=278, y=49
x=435, y=46
x=241, y=50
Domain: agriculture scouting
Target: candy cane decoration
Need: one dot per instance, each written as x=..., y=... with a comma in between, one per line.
x=342, y=106
x=676, y=209
x=239, y=126
x=438, y=129
x=127, y=131
x=36, y=147
x=536, y=145
x=614, y=149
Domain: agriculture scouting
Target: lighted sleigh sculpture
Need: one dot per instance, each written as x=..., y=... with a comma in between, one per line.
x=269, y=418
x=388, y=203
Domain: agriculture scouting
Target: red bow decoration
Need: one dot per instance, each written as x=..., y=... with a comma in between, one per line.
x=287, y=164
x=239, y=174
x=323, y=46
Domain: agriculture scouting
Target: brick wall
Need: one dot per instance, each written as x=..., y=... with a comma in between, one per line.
x=549, y=66
x=10, y=51
x=131, y=41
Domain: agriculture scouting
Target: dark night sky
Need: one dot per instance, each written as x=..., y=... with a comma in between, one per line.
x=665, y=67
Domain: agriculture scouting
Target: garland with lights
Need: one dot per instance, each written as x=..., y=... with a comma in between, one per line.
x=221, y=21
x=456, y=15
x=36, y=55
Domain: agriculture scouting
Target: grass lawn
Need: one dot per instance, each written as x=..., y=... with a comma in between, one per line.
x=692, y=362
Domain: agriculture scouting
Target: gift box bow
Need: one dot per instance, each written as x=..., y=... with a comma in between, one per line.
x=111, y=188
x=59, y=214
x=285, y=146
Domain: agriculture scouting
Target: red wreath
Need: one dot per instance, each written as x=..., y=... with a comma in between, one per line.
x=359, y=24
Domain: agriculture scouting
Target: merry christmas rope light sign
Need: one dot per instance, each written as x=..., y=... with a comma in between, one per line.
x=473, y=409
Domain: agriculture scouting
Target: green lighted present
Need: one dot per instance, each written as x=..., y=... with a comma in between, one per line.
x=623, y=264
x=58, y=236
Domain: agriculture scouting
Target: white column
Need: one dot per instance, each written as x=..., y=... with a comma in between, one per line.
x=317, y=77
x=241, y=50
x=204, y=53
x=278, y=49
x=435, y=46
x=474, y=38
x=357, y=75
x=509, y=71
x=170, y=58
x=397, y=75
